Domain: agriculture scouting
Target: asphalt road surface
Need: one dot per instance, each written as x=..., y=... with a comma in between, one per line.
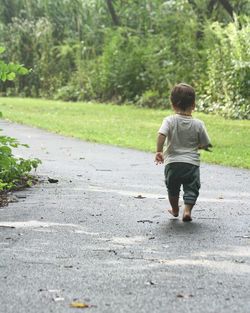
x=101, y=236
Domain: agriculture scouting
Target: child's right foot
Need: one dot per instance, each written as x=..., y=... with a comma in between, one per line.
x=187, y=213
x=187, y=218
x=175, y=213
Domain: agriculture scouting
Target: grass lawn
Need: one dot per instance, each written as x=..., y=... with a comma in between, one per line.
x=126, y=126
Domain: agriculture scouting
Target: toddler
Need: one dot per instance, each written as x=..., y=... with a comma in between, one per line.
x=181, y=135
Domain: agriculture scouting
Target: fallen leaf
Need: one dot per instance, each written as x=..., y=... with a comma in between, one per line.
x=144, y=221
x=79, y=305
x=184, y=296
x=52, y=180
x=21, y=196
x=139, y=197
x=179, y=296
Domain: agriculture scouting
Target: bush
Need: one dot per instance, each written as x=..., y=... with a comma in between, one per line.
x=152, y=99
x=227, y=85
x=13, y=169
x=122, y=71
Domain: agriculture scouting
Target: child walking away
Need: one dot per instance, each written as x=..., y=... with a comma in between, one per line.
x=181, y=136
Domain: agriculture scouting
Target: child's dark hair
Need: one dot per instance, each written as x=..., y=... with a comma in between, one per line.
x=182, y=96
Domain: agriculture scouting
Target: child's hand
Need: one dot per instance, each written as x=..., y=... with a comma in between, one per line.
x=159, y=158
x=206, y=148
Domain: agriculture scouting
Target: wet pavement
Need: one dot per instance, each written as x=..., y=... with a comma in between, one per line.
x=102, y=236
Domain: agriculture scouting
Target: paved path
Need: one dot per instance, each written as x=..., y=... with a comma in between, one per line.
x=89, y=238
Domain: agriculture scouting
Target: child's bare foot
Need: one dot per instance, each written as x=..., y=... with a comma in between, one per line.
x=174, y=202
x=187, y=213
x=175, y=213
x=187, y=217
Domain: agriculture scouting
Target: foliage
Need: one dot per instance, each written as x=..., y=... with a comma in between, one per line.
x=227, y=88
x=78, y=50
x=10, y=70
x=12, y=169
x=152, y=99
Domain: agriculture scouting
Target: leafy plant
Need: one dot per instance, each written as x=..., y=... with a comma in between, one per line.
x=227, y=83
x=118, y=50
x=13, y=170
x=8, y=71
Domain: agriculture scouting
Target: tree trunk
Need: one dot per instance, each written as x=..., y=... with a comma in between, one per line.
x=211, y=5
x=112, y=12
x=227, y=6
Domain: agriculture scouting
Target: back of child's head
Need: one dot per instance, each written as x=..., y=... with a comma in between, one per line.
x=182, y=96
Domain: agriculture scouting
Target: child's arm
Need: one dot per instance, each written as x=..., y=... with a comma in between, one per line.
x=204, y=140
x=159, y=154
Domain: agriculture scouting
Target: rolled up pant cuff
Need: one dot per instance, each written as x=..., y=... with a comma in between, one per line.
x=189, y=201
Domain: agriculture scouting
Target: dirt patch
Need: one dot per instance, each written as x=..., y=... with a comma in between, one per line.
x=7, y=196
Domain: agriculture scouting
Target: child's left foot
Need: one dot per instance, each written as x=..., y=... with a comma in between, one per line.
x=174, y=213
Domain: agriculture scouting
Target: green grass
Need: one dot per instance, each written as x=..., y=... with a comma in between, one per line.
x=127, y=126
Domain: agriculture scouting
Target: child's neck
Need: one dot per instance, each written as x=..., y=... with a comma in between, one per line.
x=185, y=113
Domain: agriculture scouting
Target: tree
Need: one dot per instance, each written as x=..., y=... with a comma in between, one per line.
x=224, y=3
x=112, y=12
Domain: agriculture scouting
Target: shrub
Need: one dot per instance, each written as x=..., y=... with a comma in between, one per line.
x=152, y=99
x=227, y=87
x=123, y=75
x=13, y=169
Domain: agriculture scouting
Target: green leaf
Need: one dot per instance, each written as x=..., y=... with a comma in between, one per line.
x=2, y=49
x=4, y=76
x=25, y=145
x=5, y=150
x=13, y=67
x=22, y=71
x=11, y=76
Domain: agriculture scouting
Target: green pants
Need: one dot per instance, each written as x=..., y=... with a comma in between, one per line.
x=185, y=174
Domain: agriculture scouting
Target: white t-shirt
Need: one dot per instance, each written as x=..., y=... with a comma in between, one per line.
x=184, y=135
